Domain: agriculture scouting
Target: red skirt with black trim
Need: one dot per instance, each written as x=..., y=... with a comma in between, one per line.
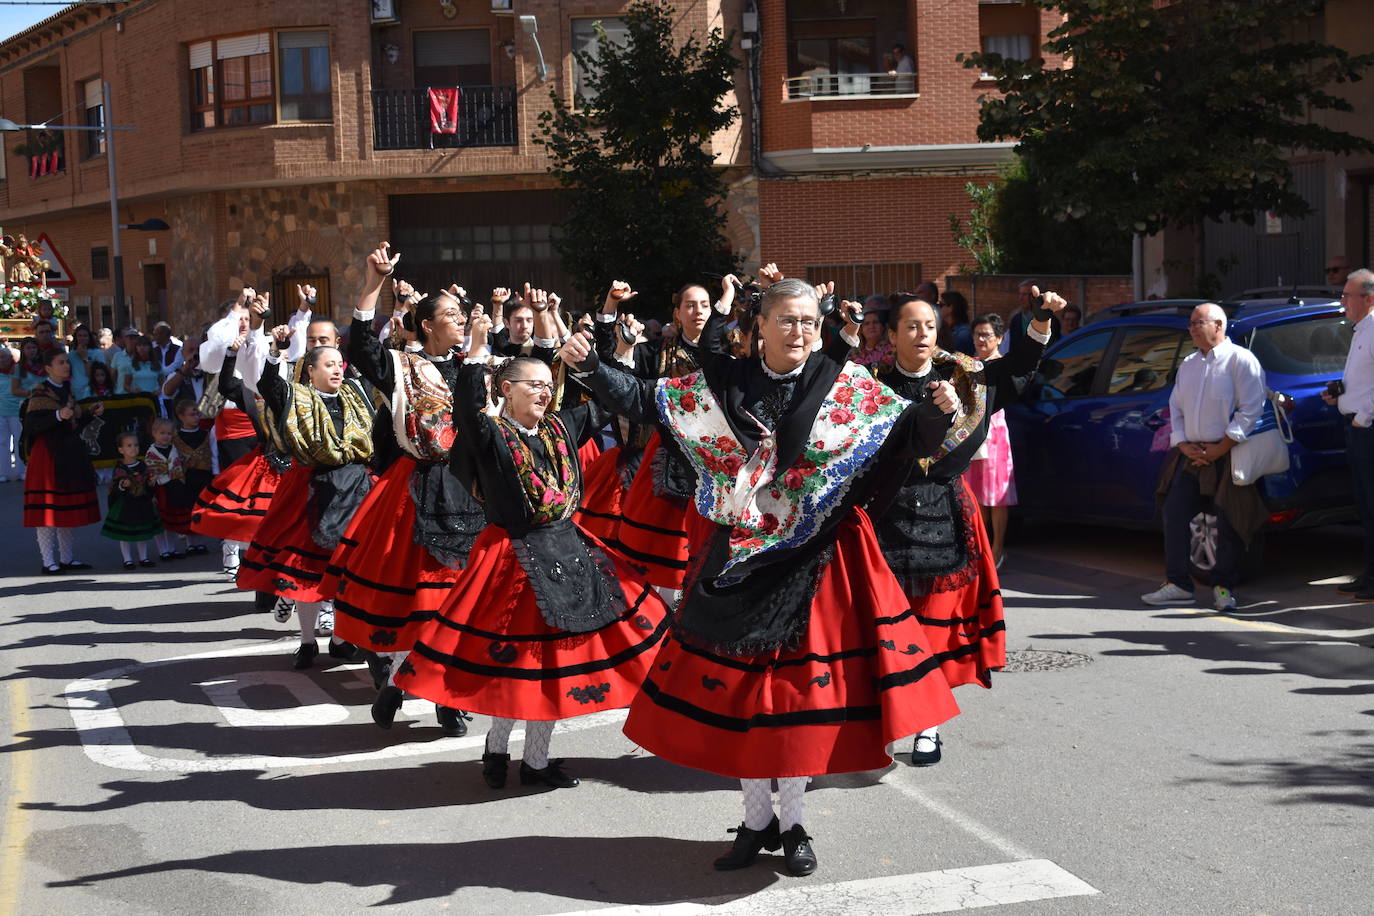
x=488, y=649
x=652, y=530
x=48, y=503
x=589, y=451
x=235, y=503
x=966, y=627
x=603, y=494
x=170, y=507
x=862, y=677
x=282, y=558
x=384, y=584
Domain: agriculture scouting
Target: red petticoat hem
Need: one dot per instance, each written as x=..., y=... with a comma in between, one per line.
x=233, y=506
x=488, y=649
x=384, y=584
x=47, y=503
x=282, y=558
x=862, y=677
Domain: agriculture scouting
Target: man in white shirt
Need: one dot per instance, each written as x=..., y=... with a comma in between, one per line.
x=1356, y=404
x=1218, y=396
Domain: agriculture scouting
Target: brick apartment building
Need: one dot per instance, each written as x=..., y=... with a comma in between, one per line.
x=280, y=141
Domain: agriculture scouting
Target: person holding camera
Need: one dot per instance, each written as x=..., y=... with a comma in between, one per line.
x=1353, y=396
x=1217, y=399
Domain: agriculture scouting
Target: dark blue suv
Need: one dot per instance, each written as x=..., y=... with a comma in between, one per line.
x=1089, y=436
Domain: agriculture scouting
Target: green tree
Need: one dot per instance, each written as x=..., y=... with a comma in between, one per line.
x=1171, y=116
x=646, y=193
x=1010, y=231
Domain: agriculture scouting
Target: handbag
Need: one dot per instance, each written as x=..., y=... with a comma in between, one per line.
x=1263, y=453
x=211, y=401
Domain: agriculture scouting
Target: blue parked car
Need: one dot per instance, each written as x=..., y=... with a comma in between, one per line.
x=1090, y=434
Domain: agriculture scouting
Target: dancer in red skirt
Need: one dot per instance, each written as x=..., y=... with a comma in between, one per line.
x=236, y=501
x=927, y=522
x=325, y=424
x=648, y=523
x=793, y=653
x=543, y=624
x=407, y=542
x=59, y=485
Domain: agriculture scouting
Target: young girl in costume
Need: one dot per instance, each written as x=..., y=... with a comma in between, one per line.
x=133, y=518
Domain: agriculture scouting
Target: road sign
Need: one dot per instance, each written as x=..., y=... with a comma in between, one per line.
x=59, y=274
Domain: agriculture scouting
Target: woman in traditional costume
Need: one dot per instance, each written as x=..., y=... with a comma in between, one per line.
x=325, y=425
x=543, y=624
x=59, y=484
x=927, y=520
x=410, y=538
x=793, y=653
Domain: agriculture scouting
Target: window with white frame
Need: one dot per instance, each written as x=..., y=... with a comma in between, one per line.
x=585, y=39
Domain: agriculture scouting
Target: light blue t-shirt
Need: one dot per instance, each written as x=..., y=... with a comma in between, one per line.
x=81, y=381
x=9, y=403
x=145, y=378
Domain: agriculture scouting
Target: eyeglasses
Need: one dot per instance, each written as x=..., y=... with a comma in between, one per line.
x=984, y=336
x=790, y=324
x=536, y=385
x=1199, y=322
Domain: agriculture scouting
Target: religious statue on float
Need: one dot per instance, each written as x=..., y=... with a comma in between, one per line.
x=24, y=293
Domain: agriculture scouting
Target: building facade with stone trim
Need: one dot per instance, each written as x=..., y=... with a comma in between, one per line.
x=281, y=141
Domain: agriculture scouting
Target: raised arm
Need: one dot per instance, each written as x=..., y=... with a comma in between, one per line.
x=1010, y=375
x=274, y=389
x=616, y=390
x=230, y=385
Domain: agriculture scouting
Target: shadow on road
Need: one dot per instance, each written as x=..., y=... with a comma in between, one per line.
x=643, y=870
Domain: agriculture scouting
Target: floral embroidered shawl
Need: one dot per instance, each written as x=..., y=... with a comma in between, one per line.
x=421, y=408
x=766, y=507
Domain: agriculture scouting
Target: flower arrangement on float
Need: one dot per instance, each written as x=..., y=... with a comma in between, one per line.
x=23, y=299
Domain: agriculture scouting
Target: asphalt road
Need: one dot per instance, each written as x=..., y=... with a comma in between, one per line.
x=158, y=756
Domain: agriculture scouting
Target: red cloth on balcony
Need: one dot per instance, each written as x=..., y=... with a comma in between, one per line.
x=443, y=111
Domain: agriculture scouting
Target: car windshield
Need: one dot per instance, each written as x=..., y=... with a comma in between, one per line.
x=1314, y=346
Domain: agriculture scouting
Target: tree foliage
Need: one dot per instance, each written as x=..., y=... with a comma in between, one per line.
x=646, y=201
x=1009, y=231
x=1175, y=115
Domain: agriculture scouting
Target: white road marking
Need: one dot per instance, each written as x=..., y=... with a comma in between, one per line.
x=947, y=891
x=313, y=706
x=1016, y=593
x=897, y=779
x=105, y=736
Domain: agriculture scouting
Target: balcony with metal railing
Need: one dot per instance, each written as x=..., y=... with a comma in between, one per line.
x=850, y=85
x=486, y=116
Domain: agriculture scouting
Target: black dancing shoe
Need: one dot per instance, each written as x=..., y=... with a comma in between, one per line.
x=344, y=650
x=166, y=555
x=494, y=769
x=129, y=564
x=926, y=758
x=146, y=563
x=451, y=721
x=747, y=845
x=551, y=776
x=196, y=548
x=797, y=852
x=379, y=668
x=387, y=703
x=178, y=554
x=305, y=656
x=53, y=570
x=76, y=564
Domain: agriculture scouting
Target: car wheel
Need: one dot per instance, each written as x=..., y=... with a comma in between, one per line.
x=1203, y=532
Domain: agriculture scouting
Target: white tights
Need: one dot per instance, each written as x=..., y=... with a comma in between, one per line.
x=229, y=552
x=54, y=543
x=126, y=550
x=537, y=737
x=758, y=801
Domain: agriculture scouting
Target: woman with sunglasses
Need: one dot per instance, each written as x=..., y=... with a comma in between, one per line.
x=544, y=623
